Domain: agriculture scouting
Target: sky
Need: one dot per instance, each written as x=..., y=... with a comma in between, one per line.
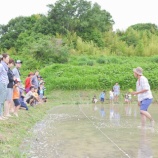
x=124, y=12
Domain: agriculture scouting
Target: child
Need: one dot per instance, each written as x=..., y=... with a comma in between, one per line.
x=29, y=97
x=22, y=96
x=16, y=96
x=35, y=93
x=111, y=93
x=126, y=98
x=94, y=99
x=102, y=96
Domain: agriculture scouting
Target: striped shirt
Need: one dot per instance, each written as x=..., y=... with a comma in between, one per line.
x=4, y=73
x=143, y=84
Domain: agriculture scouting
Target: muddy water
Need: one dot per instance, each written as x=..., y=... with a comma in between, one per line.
x=85, y=131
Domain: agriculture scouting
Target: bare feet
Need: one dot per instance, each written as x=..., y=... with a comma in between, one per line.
x=16, y=114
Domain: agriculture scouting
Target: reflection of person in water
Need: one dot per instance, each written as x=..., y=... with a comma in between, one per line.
x=102, y=111
x=115, y=116
x=144, y=150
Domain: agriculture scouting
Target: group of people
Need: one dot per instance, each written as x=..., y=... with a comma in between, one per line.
x=143, y=93
x=113, y=95
x=13, y=94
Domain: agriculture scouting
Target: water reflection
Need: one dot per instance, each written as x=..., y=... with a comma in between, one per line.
x=114, y=115
x=145, y=150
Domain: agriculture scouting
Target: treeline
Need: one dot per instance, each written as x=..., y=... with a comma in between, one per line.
x=74, y=27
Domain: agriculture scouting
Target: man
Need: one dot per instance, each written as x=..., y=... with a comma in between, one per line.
x=144, y=95
x=116, y=89
x=16, y=70
x=35, y=81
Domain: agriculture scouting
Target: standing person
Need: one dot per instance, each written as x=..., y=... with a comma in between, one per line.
x=3, y=81
x=16, y=70
x=144, y=95
x=35, y=81
x=28, y=83
x=16, y=96
x=111, y=94
x=102, y=96
x=9, y=100
x=116, y=89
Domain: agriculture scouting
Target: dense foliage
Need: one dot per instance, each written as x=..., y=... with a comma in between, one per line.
x=99, y=73
x=79, y=35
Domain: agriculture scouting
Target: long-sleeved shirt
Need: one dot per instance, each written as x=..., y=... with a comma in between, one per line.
x=3, y=73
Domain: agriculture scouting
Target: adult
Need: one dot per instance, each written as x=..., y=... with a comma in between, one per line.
x=116, y=89
x=16, y=70
x=28, y=83
x=9, y=100
x=35, y=81
x=3, y=82
x=144, y=95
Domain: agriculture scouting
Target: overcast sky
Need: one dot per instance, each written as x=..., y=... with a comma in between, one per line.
x=124, y=12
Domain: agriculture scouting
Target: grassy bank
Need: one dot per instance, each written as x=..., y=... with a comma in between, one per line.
x=14, y=130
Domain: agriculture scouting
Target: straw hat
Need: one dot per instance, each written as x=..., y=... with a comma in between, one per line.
x=138, y=70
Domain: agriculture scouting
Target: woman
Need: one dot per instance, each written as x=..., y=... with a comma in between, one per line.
x=11, y=78
x=3, y=81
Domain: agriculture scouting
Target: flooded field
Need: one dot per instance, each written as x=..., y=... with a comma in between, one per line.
x=80, y=129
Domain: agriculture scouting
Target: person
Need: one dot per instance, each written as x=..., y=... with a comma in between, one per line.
x=23, y=105
x=127, y=102
x=144, y=95
x=16, y=70
x=111, y=96
x=94, y=99
x=9, y=100
x=28, y=83
x=116, y=89
x=102, y=96
x=35, y=93
x=34, y=80
x=4, y=58
x=126, y=99
x=29, y=97
x=16, y=96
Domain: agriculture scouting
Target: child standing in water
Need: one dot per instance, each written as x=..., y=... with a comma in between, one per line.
x=111, y=93
x=102, y=97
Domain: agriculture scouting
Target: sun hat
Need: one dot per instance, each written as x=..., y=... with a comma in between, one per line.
x=18, y=62
x=138, y=70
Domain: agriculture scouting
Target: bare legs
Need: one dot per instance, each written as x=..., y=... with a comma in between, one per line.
x=144, y=115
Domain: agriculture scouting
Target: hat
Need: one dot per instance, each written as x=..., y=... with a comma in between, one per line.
x=138, y=70
x=18, y=62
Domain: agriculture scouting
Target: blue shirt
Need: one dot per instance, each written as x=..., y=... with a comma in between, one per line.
x=102, y=95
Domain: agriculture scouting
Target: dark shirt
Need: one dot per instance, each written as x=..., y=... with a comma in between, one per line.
x=10, y=78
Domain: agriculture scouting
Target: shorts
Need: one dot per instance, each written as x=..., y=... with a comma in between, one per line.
x=144, y=104
x=116, y=93
x=16, y=102
x=9, y=94
x=111, y=97
x=102, y=99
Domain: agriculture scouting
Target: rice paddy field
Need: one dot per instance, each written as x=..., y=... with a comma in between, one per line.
x=77, y=128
